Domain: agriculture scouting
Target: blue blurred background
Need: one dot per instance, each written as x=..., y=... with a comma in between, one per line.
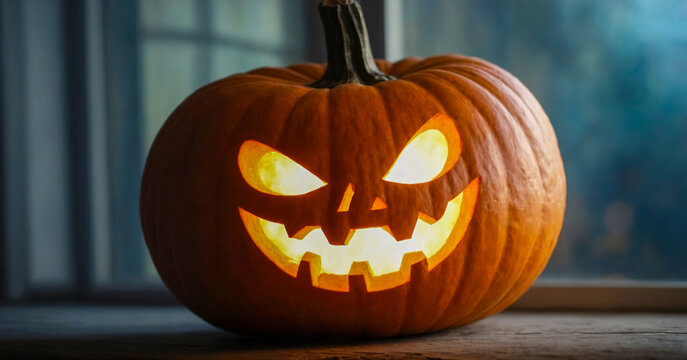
x=612, y=76
x=87, y=84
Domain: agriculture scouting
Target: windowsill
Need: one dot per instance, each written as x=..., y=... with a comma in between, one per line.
x=78, y=331
x=604, y=295
x=544, y=295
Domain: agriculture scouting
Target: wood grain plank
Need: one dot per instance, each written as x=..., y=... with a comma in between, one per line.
x=111, y=332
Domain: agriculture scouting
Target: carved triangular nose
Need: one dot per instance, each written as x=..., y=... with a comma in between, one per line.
x=346, y=199
x=379, y=204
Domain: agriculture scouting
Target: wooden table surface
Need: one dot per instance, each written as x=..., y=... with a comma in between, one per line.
x=123, y=332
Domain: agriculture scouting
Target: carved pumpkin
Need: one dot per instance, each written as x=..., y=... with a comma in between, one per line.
x=357, y=198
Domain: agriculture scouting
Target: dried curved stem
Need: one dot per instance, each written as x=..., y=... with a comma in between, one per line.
x=349, y=56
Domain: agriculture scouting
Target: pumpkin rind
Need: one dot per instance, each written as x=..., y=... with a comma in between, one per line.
x=191, y=190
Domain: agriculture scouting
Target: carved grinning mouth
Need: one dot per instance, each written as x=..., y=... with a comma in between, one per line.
x=372, y=252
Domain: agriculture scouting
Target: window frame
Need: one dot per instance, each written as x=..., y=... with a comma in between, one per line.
x=604, y=295
x=88, y=78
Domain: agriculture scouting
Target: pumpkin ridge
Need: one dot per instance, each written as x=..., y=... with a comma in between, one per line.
x=383, y=65
x=401, y=67
x=455, y=60
x=226, y=159
x=413, y=79
x=425, y=76
x=407, y=294
x=486, y=125
x=217, y=255
x=458, y=187
x=312, y=71
x=485, y=82
x=525, y=96
x=434, y=62
x=173, y=268
x=288, y=118
x=386, y=107
x=460, y=278
x=151, y=162
x=190, y=157
x=253, y=104
x=387, y=110
x=251, y=79
x=156, y=159
x=330, y=131
x=542, y=229
x=284, y=74
x=421, y=65
x=507, y=243
x=275, y=94
x=539, y=261
x=189, y=136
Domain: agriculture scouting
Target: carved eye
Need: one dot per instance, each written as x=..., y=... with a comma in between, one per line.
x=432, y=151
x=271, y=172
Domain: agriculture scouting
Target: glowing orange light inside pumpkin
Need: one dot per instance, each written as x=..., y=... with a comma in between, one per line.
x=422, y=160
x=272, y=172
x=346, y=200
x=428, y=154
x=378, y=204
x=372, y=252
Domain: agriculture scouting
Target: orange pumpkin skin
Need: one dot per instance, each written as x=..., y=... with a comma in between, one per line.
x=192, y=188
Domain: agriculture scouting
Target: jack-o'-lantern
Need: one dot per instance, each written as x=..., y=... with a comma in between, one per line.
x=337, y=241
x=356, y=198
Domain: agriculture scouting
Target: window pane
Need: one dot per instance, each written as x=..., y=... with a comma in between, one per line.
x=180, y=45
x=258, y=22
x=610, y=75
x=180, y=15
x=47, y=149
x=168, y=75
x=240, y=60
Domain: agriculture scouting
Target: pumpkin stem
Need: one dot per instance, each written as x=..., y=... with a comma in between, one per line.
x=349, y=56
